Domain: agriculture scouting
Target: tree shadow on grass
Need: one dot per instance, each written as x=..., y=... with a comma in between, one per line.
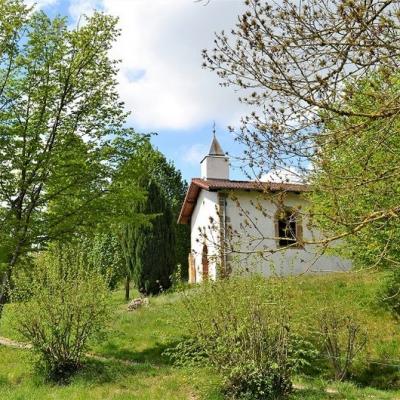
x=117, y=363
x=102, y=372
x=152, y=355
x=99, y=372
x=111, y=365
x=379, y=375
x=4, y=381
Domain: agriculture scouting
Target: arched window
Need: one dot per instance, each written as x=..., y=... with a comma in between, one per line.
x=288, y=228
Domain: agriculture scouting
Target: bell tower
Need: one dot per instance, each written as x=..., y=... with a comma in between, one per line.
x=215, y=165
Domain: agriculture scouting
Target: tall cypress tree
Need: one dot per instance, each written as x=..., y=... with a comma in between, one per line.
x=128, y=250
x=170, y=181
x=154, y=243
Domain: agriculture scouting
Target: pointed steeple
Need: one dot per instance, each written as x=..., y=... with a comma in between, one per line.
x=215, y=165
x=215, y=149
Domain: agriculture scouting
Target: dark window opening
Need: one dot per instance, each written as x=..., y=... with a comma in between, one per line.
x=287, y=228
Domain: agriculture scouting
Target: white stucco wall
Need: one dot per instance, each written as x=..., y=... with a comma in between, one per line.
x=204, y=209
x=247, y=236
x=215, y=167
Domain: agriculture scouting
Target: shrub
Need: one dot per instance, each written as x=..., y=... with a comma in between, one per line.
x=105, y=254
x=66, y=306
x=342, y=339
x=390, y=295
x=243, y=326
x=178, y=284
x=187, y=353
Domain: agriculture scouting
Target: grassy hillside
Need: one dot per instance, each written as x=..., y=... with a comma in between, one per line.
x=131, y=364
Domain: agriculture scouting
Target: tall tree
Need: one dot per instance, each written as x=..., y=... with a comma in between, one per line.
x=120, y=215
x=58, y=107
x=140, y=155
x=154, y=243
x=296, y=64
x=174, y=187
x=373, y=157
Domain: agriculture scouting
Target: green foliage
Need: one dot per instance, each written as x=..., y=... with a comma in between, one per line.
x=187, y=352
x=176, y=278
x=105, y=254
x=140, y=155
x=381, y=375
x=304, y=354
x=390, y=294
x=357, y=181
x=243, y=325
x=126, y=170
x=54, y=139
x=64, y=305
x=342, y=337
x=151, y=376
x=59, y=107
x=174, y=187
x=153, y=244
x=139, y=162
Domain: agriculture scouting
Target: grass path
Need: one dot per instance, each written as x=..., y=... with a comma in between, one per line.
x=23, y=345
x=13, y=343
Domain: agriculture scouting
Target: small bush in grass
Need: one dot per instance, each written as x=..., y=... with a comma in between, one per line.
x=343, y=337
x=242, y=324
x=187, y=353
x=66, y=306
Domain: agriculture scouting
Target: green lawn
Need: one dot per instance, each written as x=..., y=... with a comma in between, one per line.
x=136, y=368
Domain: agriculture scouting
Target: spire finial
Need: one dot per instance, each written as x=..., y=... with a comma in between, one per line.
x=214, y=129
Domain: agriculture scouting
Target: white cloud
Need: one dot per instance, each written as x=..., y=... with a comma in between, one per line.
x=78, y=8
x=161, y=79
x=40, y=3
x=194, y=154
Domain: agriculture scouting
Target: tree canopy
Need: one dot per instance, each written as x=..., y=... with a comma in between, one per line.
x=298, y=66
x=360, y=175
x=59, y=107
x=160, y=178
x=154, y=243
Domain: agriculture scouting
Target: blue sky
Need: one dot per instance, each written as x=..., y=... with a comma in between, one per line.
x=161, y=80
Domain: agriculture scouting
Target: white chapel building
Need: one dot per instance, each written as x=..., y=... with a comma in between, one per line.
x=245, y=226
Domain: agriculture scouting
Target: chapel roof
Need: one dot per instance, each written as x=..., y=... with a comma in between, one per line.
x=214, y=185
